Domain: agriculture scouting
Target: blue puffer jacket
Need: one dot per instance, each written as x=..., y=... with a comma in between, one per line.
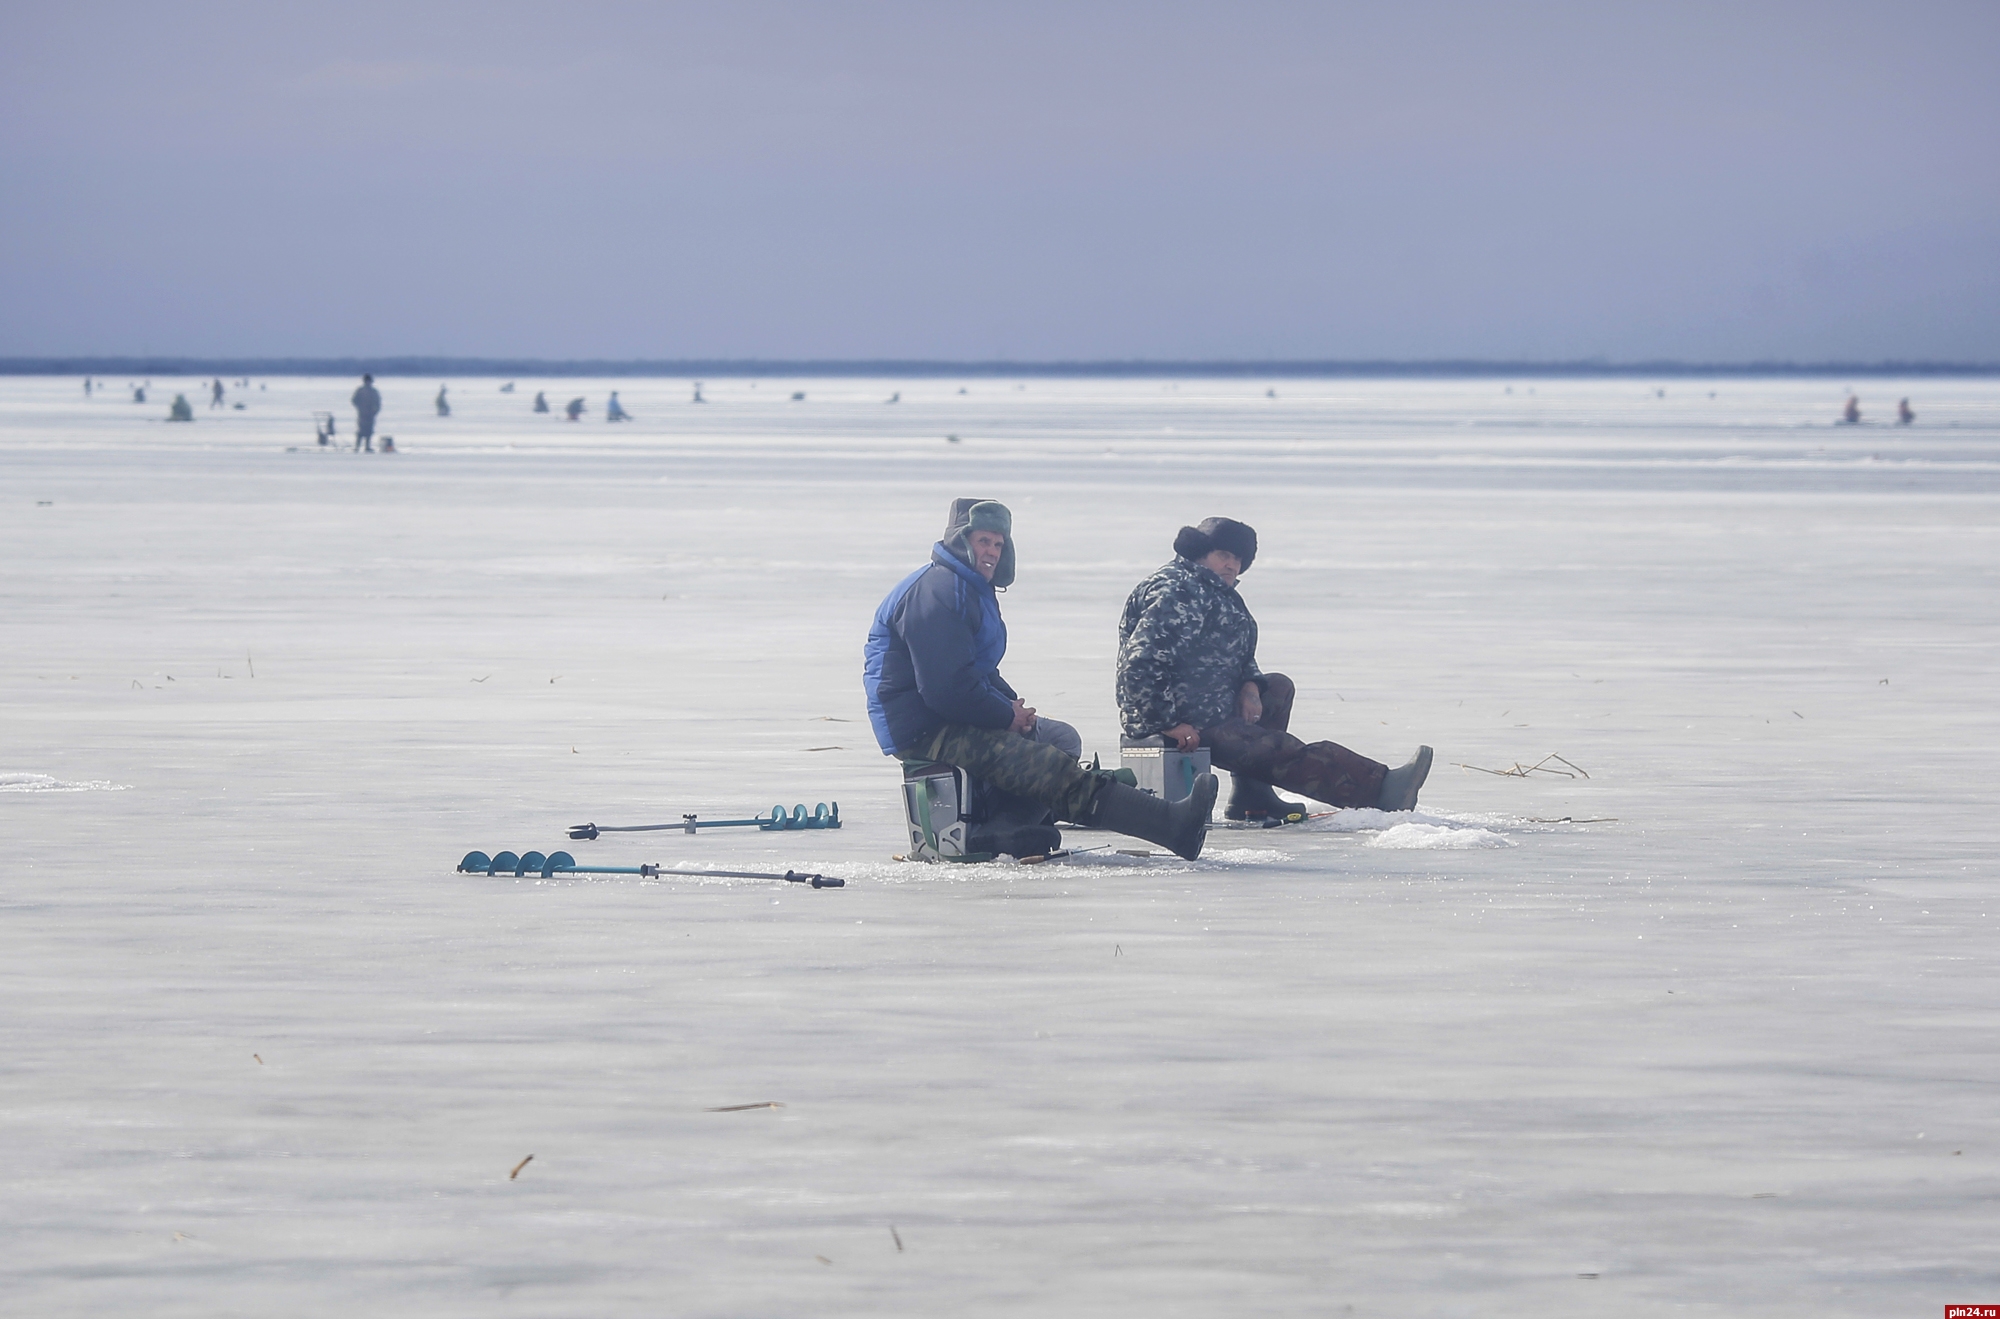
x=933, y=656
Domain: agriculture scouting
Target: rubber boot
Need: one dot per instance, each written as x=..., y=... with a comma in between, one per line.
x=1400, y=785
x=1015, y=840
x=1180, y=826
x=1254, y=799
x=1011, y=825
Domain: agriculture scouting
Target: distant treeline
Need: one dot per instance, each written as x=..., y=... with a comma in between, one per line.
x=532, y=368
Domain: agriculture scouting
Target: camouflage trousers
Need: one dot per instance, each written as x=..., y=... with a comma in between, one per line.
x=1324, y=771
x=1017, y=765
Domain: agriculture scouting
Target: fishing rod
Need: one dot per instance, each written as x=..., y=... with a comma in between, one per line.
x=562, y=863
x=822, y=817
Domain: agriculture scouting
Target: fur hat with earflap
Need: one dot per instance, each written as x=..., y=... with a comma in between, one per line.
x=1196, y=543
x=970, y=515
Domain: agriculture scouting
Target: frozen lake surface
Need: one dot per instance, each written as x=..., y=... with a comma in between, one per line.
x=1704, y=1032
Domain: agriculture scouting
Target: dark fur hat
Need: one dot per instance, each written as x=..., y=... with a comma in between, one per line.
x=1218, y=534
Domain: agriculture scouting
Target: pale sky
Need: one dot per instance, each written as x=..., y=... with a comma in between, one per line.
x=1715, y=182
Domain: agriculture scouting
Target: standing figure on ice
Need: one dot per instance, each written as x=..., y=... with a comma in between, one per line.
x=931, y=670
x=1187, y=670
x=367, y=402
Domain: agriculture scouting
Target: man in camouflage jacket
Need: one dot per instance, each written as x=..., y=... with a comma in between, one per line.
x=1187, y=671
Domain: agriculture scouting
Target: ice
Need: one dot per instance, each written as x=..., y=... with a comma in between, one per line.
x=265, y=1052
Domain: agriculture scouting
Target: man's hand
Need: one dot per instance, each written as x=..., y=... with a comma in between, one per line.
x=1024, y=717
x=1250, y=702
x=1185, y=735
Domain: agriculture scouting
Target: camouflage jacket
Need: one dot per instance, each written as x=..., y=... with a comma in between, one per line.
x=1186, y=646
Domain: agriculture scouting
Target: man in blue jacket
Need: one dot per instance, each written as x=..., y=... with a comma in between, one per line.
x=932, y=674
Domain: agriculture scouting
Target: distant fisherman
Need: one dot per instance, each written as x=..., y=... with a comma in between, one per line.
x=931, y=671
x=541, y=401
x=1187, y=670
x=367, y=402
x=443, y=406
x=614, y=410
x=574, y=409
x=1903, y=414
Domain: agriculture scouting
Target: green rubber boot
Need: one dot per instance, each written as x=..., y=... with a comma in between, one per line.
x=1399, y=787
x=1180, y=826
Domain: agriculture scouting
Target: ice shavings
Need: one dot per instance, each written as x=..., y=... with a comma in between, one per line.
x=1366, y=819
x=1437, y=837
x=43, y=783
x=1427, y=830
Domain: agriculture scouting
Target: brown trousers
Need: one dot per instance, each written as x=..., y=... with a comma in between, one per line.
x=1324, y=771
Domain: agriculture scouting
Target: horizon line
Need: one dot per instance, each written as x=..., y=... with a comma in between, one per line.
x=409, y=364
